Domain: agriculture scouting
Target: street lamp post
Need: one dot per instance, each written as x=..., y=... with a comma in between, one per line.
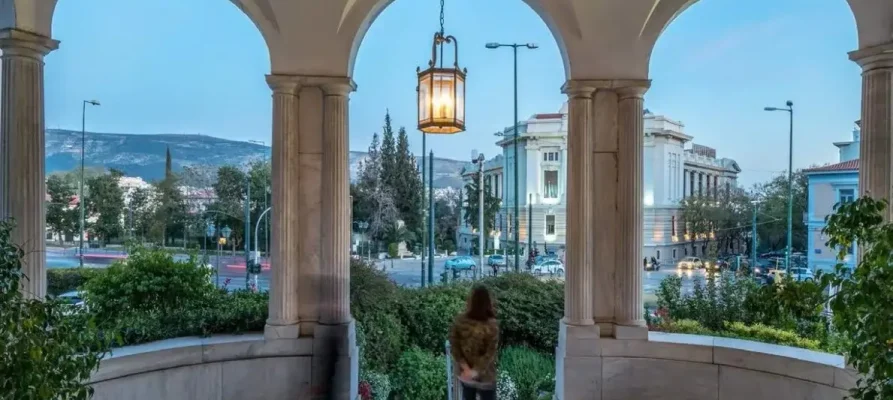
x=81, y=190
x=753, y=239
x=479, y=160
x=790, y=110
x=515, y=47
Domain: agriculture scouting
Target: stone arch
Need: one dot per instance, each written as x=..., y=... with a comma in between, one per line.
x=358, y=16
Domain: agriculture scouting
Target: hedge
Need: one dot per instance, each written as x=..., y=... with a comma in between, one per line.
x=739, y=330
x=65, y=280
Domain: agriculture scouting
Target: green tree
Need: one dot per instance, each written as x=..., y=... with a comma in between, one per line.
x=389, y=168
x=61, y=217
x=374, y=200
x=170, y=213
x=261, y=177
x=491, y=207
x=446, y=221
x=717, y=220
x=228, y=209
x=106, y=204
x=143, y=212
x=773, y=227
x=408, y=193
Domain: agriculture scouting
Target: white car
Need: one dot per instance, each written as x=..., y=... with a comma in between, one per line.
x=799, y=274
x=690, y=263
x=551, y=267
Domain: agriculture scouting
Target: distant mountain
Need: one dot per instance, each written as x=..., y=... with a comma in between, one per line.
x=143, y=155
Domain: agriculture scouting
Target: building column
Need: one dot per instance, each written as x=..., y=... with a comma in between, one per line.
x=562, y=174
x=876, y=156
x=283, y=321
x=629, y=319
x=22, y=154
x=534, y=183
x=684, y=183
x=577, y=353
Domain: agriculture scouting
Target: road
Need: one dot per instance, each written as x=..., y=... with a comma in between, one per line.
x=404, y=272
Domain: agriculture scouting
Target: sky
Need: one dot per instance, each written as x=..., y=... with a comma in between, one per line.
x=198, y=67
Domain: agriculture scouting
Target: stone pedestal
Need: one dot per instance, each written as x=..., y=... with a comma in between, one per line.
x=22, y=155
x=578, y=363
x=876, y=157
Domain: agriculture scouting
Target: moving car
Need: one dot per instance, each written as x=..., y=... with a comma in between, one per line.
x=652, y=266
x=552, y=267
x=690, y=263
x=461, y=263
x=496, y=260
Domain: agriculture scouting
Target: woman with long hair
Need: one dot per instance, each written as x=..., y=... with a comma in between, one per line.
x=474, y=340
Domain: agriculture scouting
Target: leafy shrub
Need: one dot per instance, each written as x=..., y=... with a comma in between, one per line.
x=528, y=310
x=505, y=387
x=531, y=371
x=428, y=314
x=739, y=330
x=371, y=291
x=385, y=340
x=862, y=311
x=380, y=385
x=46, y=351
x=420, y=375
x=148, y=280
x=65, y=280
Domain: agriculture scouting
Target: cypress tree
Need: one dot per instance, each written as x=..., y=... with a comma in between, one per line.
x=409, y=189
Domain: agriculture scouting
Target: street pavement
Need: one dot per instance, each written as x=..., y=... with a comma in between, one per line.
x=407, y=272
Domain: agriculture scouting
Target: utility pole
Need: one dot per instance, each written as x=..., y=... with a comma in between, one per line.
x=479, y=160
x=753, y=244
x=790, y=110
x=247, y=228
x=530, y=222
x=81, y=197
x=424, y=176
x=431, y=219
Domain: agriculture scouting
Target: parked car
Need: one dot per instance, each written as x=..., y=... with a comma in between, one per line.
x=496, y=260
x=802, y=274
x=461, y=263
x=690, y=263
x=74, y=298
x=552, y=267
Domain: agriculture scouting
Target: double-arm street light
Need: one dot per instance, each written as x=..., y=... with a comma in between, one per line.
x=81, y=190
x=790, y=110
x=515, y=47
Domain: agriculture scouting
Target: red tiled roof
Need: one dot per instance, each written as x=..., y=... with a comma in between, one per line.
x=851, y=165
x=548, y=116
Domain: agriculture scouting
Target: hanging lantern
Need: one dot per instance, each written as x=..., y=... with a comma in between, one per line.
x=441, y=90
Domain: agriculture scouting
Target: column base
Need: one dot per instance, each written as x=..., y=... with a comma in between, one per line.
x=578, y=363
x=631, y=332
x=286, y=331
x=335, y=366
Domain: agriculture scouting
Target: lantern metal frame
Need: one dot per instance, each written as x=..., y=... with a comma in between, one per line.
x=452, y=124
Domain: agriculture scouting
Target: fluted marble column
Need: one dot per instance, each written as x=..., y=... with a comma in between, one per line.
x=22, y=164
x=335, y=288
x=578, y=287
x=875, y=153
x=284, y=301
x=629, y=306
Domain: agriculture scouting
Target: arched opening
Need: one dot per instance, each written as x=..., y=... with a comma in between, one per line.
x=386, y=81
x=175, y=113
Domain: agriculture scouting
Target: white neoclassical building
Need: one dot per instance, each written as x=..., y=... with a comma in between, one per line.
x=673, y=168
x=308, y=349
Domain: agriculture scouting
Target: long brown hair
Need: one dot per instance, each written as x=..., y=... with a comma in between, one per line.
x=479, y=306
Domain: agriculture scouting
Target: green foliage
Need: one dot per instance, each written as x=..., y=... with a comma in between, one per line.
x=386, y=338
x=773, y=229
x=505, y=386
x=65, y=280
x=862, y=312
x=106, y=203
x=528, y=310
x=740, y=330
x=380, y=383
x=532, y=372
x=61, y=217
x=371, y=291
x=48, y=351
x=420, y=375
x=428, y=314
x=472, y=206
x=393, y=249
x=149, y=280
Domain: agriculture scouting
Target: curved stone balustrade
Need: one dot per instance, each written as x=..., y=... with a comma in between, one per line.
x=214, y=368
x=676, y=366
x=667, y=366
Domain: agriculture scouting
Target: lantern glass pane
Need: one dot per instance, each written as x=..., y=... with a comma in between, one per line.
x=443, y=103
x=425, y=98
x=460, y=99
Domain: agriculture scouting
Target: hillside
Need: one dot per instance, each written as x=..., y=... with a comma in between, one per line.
x=143, y=155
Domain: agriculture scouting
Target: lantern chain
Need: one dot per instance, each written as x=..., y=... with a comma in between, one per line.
x=441, y=17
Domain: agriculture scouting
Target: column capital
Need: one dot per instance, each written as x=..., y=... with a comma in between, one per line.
x=576, y=89
x=633, y=92
x=284, y=84
x=874, y=57
x=15, y=42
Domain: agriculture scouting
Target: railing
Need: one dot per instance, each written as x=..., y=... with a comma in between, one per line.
x=449, y=371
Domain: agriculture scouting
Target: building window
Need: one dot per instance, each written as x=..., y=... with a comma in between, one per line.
x=847, y=196
x=674, y=254
x=673, y=225
x=550, y=185
x=658, y=254
x=694, y=251
x=685, y=250
x=550, y=156
x=550, y=224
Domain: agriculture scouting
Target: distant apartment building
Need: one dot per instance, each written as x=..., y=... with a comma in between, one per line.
x=674, y=168
x=828, y=186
